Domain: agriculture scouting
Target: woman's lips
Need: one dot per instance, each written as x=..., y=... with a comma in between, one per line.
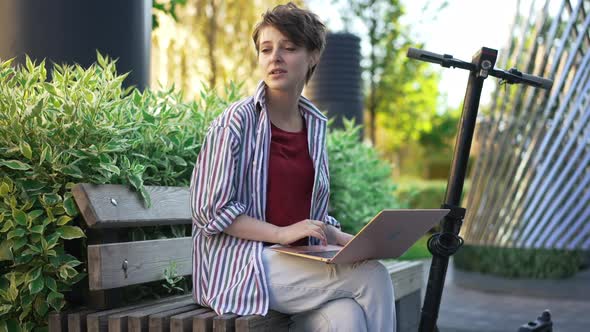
x=278, y=75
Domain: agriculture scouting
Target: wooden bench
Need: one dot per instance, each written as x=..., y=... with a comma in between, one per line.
x=109, y=211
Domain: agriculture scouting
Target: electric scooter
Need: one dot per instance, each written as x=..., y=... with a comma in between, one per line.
x=444, y=244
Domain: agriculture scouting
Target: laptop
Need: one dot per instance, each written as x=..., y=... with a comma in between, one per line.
x=388, y=235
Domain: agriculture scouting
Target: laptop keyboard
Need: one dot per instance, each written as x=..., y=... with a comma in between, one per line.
x=323, y=254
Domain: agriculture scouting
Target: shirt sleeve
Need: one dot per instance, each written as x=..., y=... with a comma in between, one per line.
x=332, y=221
x=212, y=189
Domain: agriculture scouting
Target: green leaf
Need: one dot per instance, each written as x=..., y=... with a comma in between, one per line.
x=55, y=300
x=26, y=150
x=36, y=274
x=4, y=189
x=37, y=229
x=12, y=325
x=20, y=217
x=8, y=225
x=70, y=206
x=16, y=233
x=23, y=259
x=51, y=199
x=111, y=168
x=63, y=220
x=35, y=214
x=178, y=161
x=5, y=253
x=136, y=181
x=33, y=185
x=40, y=306
x=73, y=171
x=15, y=164
x=70, y=232
x=46, y=154
x=20, y=243
x=50, y=283
x=4, y=309
x=38, y=108
x=36, y=285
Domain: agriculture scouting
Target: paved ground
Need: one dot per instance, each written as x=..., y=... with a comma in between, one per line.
x=500, y=305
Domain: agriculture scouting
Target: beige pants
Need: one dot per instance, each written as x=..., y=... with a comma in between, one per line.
x=330, y=297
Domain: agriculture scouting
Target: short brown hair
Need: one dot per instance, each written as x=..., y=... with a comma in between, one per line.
x=301, y=26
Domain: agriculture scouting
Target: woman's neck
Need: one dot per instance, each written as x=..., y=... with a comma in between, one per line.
x=283, y=109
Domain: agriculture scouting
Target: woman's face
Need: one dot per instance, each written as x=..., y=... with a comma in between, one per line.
x=282, y=64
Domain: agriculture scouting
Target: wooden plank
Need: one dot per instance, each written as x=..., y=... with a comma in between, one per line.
x=98, y=321
x=204, y=322
x=224, y=323
x=273, y=321
x=102, y=299
x=116, y=206
x=77, y=320
x=184, y=322
x=160, y=322
x=405, y=275
x=146, y=261
x=57, y=322
x=138, y=319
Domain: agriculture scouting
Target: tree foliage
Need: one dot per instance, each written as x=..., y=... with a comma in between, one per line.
x=402, y=98
x=208, y=45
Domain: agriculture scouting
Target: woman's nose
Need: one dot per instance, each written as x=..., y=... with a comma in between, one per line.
x=276, y=55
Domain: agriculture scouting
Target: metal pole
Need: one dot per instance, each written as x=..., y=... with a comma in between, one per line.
x=451, y=224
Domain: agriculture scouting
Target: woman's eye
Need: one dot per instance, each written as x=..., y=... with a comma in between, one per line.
x=290, y=49
x=265, y=50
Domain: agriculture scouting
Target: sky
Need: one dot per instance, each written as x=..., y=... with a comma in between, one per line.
x=460, y=29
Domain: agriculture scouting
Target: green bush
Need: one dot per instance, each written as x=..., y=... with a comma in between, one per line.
x=360, y=182
x=424, y=194
x=83, y=126
x=520, y=262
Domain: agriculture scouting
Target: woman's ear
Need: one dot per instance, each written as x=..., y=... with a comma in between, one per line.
x=314, y=58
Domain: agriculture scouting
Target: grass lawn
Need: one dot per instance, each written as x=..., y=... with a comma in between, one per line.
x=418, y=250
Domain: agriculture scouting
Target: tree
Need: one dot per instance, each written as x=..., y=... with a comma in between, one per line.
x=209, y=45
x=381, y=21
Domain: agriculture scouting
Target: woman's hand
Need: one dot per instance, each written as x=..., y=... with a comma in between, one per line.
x=336, y=236
x=299, y=230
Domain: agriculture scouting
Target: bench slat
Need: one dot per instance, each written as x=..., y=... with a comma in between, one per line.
x=117, y=206
x=160, y=322
x=146, y=261
x=224, y=323
x=77, y=320
x=137, y=320
x=273, y=321
x=99, y=321
x=184, y=322
x=57, y=322
x=204, y=322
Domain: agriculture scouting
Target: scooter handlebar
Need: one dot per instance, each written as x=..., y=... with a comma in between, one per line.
x=418, y=54
x=541, y=82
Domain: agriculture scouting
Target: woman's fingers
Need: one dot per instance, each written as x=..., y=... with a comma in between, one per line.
x=319, y=235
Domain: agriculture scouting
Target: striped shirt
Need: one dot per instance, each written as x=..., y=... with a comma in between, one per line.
x=230, y=179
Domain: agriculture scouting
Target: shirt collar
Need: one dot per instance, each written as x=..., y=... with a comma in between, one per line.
x=305, y=105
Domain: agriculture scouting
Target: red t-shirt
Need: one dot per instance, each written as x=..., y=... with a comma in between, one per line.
x=290, y=179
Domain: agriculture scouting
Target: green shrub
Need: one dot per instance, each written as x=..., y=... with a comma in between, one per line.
x=83, y=126
x=360, y=182
x=424, y=194
x=520, y=262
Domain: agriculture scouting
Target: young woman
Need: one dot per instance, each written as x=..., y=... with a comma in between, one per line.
x=262, y=178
